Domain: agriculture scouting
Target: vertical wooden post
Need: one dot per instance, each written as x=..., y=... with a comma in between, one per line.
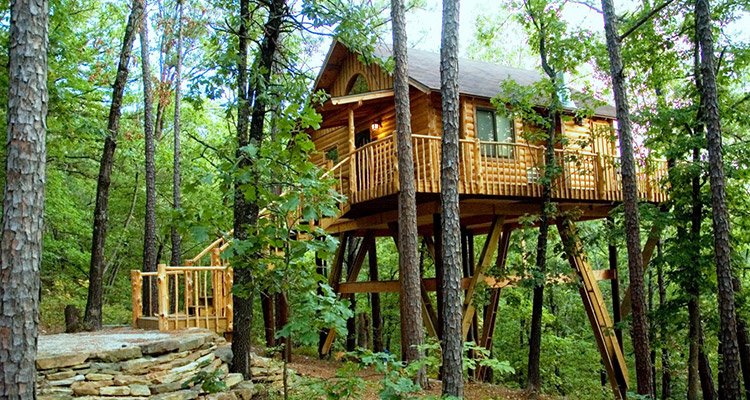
x=162, y=296
x=228, y=301
x=615, y=285
x=437, y=231
x=600, y=183
x=352, y=158
x=377, y=320
x=478, y=183
x=136, y=282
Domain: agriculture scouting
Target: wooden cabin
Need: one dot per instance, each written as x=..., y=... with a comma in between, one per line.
x=498, y=183
x=498, y=166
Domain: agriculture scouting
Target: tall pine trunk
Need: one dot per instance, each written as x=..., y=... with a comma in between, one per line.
x=93, y=313
x=408, y=260
x=546, y=213
x=23, y=198
x=246, y=211
x=452, y=340
x=639, y=328
x=149, y=237
x=176, y=256
x=729, y=367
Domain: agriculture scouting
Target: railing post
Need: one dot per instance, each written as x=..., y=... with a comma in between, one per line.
x=216, y=257
x=600, y=184
x=477, y=166
x=136, y=283
x=163, y=296
x=352, y=158
x=229, y=302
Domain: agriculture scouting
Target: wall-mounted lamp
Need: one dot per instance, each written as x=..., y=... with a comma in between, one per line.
x=375, y=125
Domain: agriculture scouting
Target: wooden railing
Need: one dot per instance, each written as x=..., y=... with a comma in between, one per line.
x=502, y=169
x=194, y=296
x=186, y=297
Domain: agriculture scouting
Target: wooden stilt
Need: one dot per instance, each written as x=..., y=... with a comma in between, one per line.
x=351, y=277
x=439, y=270
x=490, y=315
x=596, y=309
x=648, y=252
x=377, y=320
x=484, y=261
x=615, y=286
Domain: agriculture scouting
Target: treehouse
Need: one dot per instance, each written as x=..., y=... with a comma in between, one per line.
x=499, y=183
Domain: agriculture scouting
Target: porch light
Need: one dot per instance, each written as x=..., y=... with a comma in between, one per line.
x=375, y=125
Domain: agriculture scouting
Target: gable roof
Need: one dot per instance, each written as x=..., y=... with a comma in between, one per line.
x=475, y=78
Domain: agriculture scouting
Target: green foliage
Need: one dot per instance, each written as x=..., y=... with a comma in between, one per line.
x=210, y=382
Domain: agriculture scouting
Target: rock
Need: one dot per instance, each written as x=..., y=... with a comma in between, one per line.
x=138, y=365
x=125, y=380
x=114, y=391
x=125, y=353
x=224, y=353
x=88, y=388
x=179, y=395
x=222, y=396
x=105, y=366
x=139, y=390
x=66, y=382
x=81, y=366
x=233, y=379
x=194, y=342
x=160, y=347
x=61, y=375
x=60, y=360
x=50, y=391
x=260, y=362
x=200, y=362
x=244, y=390
x=163, y=388
x=99, y=377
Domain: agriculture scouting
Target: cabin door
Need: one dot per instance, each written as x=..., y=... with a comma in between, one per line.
x=362, y=138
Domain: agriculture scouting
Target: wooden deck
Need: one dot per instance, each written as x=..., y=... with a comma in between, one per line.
x=502, y=170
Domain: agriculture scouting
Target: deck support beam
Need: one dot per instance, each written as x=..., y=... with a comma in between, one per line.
x=490, y=313
x=484, y=262
x=596, y=309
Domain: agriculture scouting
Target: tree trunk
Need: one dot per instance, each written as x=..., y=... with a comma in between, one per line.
x=666, y=371
x=535, y=333
x=639, y=327
x=246, y=212
x=269, y=318
x=412, y=333
x=93, y=314
x=282, y=318
x=452, y=340
x=615, y=282
x=23, y=198
x=149, y=237
x=729, y=367
x=176, y=257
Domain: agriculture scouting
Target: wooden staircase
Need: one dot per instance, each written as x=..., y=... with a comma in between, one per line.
x=596, y=309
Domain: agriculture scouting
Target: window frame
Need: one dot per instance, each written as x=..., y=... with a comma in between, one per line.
x=494, y=153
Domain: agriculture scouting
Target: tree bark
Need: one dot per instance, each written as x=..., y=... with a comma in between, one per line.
x=93, y=314
x=269, y=317
x=666, y=370
x=23, y=198
x=246, y=212
x=639, y=327
x=176, y=256
x=412, y=333
x=452, y=339
x=729, y=368
x=149, y=237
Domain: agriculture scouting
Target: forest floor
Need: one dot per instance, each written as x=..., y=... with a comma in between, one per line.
x=312, y=367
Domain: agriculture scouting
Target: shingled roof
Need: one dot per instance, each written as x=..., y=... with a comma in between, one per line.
x=475, y=78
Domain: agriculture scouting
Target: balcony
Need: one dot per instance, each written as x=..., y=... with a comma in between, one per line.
x=509, y=170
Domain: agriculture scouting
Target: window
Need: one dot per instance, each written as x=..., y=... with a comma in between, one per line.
x=498, y=128
x=357, y=85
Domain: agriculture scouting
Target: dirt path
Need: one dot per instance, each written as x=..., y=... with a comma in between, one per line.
x=326, y=369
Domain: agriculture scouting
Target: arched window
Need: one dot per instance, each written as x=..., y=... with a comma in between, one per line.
x=357, y=85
